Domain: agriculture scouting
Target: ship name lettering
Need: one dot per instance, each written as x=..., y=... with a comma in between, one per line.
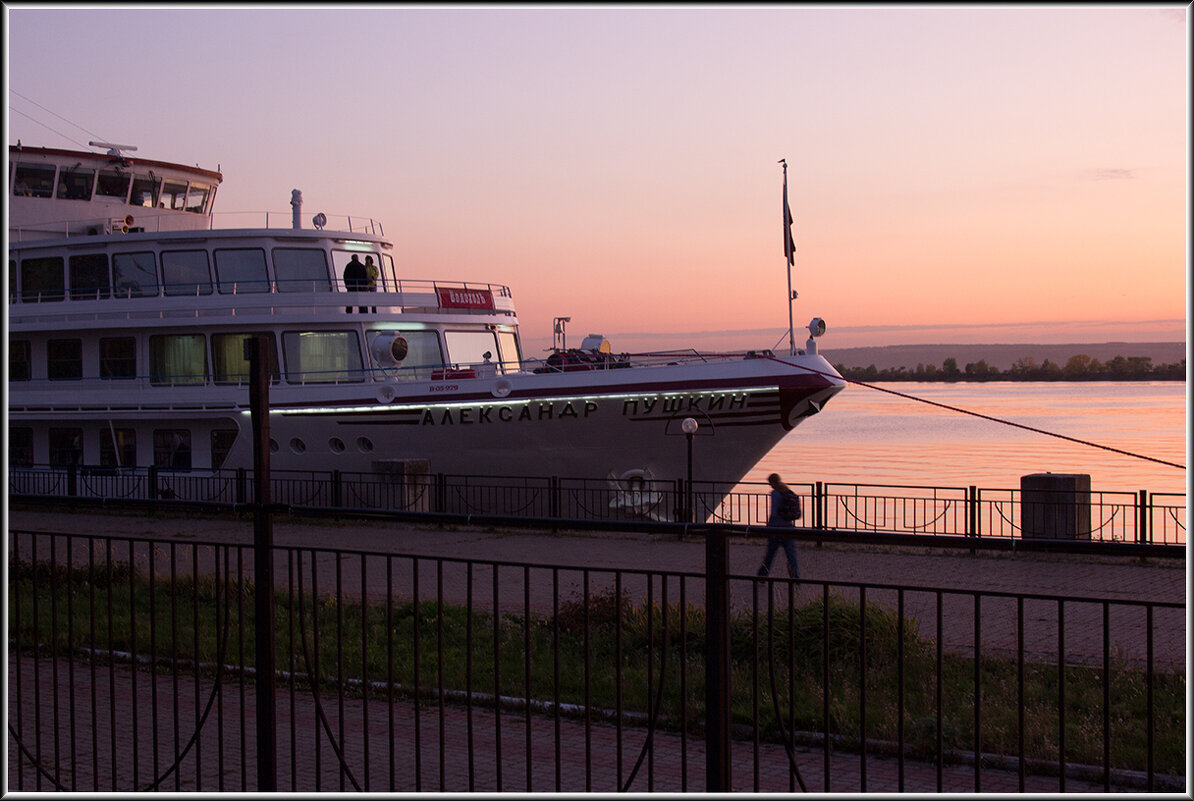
x=469, y=415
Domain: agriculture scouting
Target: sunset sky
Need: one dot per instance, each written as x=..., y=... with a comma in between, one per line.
x=986, y=174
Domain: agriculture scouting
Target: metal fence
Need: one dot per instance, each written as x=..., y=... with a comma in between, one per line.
x=1132, y=517
x=131, y=668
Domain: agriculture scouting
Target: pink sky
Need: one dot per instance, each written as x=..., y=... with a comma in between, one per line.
x=992, y=174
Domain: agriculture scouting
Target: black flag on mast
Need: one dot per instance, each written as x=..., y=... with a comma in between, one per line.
x=789, y=245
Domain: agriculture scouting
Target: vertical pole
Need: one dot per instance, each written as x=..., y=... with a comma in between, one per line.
x=688, y=513
x=263, y=565
x=789, y=249
x=717, y=663
x=1143, y=535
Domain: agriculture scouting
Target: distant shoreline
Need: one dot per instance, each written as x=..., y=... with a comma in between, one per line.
x=889, y=359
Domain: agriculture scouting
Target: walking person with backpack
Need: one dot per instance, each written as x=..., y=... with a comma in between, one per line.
x=785, y=510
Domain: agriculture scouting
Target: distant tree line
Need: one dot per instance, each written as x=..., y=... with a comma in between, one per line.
x=1079, y=368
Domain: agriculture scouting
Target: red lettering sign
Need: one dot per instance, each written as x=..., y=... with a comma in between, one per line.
x=459, y=298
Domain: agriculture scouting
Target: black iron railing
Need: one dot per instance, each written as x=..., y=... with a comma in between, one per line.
x=132, y=668
x=1140, y=517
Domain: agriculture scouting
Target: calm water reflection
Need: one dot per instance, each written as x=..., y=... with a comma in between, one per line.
x=870, y=437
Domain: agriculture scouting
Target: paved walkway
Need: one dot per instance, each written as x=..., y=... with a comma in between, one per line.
x=121, y=706
x=109, y=746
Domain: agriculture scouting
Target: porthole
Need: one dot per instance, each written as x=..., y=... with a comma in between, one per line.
x=273, y=445
x=364, y=444
x=336, y=444
x=297, y=445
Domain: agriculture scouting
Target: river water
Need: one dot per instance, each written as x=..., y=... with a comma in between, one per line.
x=869, y=437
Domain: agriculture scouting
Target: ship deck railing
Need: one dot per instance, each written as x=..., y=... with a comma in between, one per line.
x=153, y=221
x=289, y=297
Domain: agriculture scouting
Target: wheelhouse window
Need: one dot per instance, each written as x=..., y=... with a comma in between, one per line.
x=172, y=448
x=241, y=270
x=387, y=271
x=112, y=184
x=177, y=359
x=33, y=180
x=322, y=357
x=42, y=280
x=470, y=347
x=173, y=195
x=229, y=365
x=510, y=354
x=64, y=359
x=134, y=275
x=185, y=272
x=66, y=447
x=414, y=358
x=75, y=184
x=118, y=357
x=20, y=446
x=89, y=276
x=118, y=447
x=146, y=189
x=18, y=360
x=197, y=198
x=301, y=270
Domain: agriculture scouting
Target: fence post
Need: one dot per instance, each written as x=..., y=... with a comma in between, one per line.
x=819, y=512
x=241, y=490
x=972, y=515
x=441, y=491
x=337, y=488
x=717, y=663
x=554, y=491
x=1143, y=531
x=263, y=567
x=151, y=478
x=72, y=480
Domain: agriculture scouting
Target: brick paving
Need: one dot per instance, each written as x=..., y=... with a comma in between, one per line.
x=224, y=757
x=434, y=755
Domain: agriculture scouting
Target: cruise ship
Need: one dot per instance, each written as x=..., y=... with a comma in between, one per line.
x=129, y=307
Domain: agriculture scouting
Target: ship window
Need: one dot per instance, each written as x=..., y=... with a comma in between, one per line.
x=241, y=270
x=423, y=355
x=64, y=359
x=322, y=357
x=470, y=347
x=511, y=358
x=75, y=184
x=66, y=447
x=18, y=360
x=229, y=365
x=301, y=270
x=34, y=180
x=119, y=453
x=197, y=198
x=177, y=359
x=387, y=270
x=185, y=272
x=20, y=447
x=12, y=280
x=112, y=183
x=41, y=280
x=221, y=444
x=172, y=448
x=89, y=276
x=134, y=275
x=145, y=191
x=118, y=357
x=173, y=195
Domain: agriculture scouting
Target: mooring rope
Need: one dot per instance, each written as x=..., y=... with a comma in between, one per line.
x=1000, y=420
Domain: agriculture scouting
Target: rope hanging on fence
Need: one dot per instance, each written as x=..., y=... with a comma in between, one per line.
x=960, y=410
